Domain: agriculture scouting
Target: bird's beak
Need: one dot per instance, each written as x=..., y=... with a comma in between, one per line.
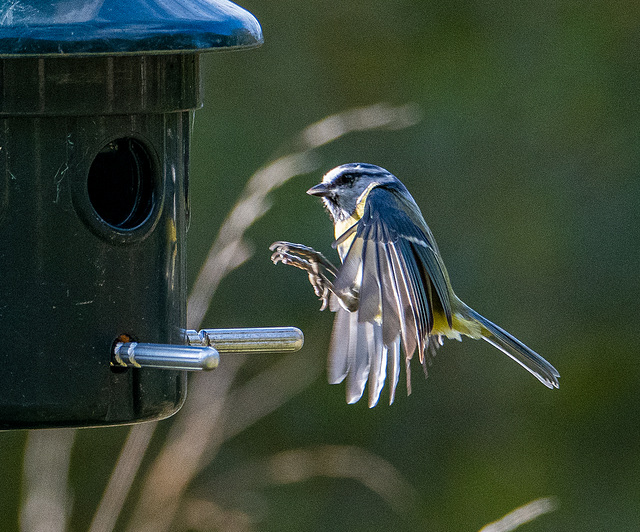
x=320, y=190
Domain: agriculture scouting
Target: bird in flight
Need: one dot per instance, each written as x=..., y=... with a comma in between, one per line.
x=392, y=287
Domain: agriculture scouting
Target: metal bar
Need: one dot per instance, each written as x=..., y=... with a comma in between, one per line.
x=249, y=340
x=138, y=355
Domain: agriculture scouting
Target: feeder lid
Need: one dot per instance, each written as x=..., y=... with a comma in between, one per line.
x=114, y=27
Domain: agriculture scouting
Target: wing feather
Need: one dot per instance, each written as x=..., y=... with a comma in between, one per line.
x=419, y=300
x=338, y=361
x=378, y=371
x=434, y=276
x=369, y=308
x=393, y=268
x=393, y=368
x=360, y=361
x=391, y=309
x=408, y=318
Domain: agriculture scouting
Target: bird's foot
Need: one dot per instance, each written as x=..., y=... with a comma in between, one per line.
x=308, y=259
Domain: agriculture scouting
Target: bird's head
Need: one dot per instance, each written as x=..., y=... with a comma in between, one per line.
x=342, y=188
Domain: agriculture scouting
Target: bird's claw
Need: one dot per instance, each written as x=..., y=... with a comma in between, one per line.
x=308, y=254
x=309, y=260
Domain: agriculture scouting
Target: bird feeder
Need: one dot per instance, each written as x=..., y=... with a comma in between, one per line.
x=95, y=105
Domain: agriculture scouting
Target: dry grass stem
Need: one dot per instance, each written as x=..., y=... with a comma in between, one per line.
x=120, y=482
x=334, y=461
x=47, y=502
x=199, y=514
x=522, y=515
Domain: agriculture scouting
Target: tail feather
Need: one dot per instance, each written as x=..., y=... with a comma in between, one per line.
x=514, y=348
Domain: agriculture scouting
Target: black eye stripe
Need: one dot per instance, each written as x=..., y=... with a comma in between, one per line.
x=349, y=178
x=346, y=179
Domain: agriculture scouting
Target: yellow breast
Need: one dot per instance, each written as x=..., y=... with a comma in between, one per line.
x=341, y=227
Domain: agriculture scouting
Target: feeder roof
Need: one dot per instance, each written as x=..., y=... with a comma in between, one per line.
x=114, y=27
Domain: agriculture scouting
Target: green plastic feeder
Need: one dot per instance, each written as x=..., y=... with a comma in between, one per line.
x=95, y=106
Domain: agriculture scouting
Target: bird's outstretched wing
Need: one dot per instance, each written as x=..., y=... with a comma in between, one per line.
x=394, y=267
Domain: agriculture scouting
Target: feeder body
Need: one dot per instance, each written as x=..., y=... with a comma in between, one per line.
x=96, y=106
x=93, y=214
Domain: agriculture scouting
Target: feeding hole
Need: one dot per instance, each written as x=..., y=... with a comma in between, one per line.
x=120, y=184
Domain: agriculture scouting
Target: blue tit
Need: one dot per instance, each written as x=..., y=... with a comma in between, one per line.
x=392, y=287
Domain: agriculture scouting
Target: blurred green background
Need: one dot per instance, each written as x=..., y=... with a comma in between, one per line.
x=525, y=164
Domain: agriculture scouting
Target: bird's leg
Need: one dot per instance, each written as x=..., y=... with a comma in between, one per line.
x=313, y=262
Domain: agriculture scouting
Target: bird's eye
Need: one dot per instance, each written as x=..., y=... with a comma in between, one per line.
x=346, y=180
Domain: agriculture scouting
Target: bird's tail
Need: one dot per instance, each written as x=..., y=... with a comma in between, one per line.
x=514, y=348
